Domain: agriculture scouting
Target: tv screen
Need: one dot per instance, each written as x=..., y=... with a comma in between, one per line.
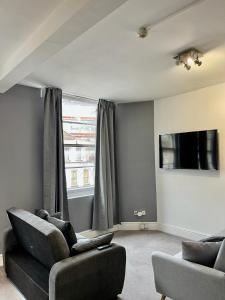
x=189, y=150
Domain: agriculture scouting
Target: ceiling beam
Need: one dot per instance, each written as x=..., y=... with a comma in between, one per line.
x=66, y=23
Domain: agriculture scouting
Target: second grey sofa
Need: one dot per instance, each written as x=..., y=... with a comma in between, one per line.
x=37, y=260
x=179, y=279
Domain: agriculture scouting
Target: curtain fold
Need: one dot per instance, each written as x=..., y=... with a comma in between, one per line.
x=105, y=207
x=54, y=178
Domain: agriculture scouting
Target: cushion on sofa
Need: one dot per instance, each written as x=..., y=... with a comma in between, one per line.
x=66, y=228
x=220, y=260
x=88, y=244
x=42, y=213
x=41, y=239
x=203, y=253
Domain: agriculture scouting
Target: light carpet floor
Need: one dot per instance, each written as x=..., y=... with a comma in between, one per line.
x=139, y=282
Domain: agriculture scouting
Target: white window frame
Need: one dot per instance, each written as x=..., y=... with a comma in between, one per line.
x=89, y=190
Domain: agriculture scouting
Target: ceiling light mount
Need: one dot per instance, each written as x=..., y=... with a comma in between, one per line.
x=143, y=31
x=188, y=58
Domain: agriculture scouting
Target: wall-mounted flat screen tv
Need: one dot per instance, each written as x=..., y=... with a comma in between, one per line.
x=189, y=150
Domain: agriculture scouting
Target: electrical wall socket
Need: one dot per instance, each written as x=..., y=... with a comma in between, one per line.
x=139, y=213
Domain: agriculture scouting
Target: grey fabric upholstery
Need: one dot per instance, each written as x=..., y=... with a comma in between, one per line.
x=89, y=244
x=54, y=177
x=87, y=276
x=27, y=274
x=9, y=242
x=182, y=280
x=105, y=205
x=203, y=253
x=220, y=260
x=43, y=214
x=66, y=228
x=93, y=275
x=38, y=237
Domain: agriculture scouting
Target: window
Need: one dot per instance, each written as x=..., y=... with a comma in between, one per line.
x=73, y=178
x=79, y=130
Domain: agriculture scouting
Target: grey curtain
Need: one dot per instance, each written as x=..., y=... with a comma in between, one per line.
x=54, y=185
x=105, y=208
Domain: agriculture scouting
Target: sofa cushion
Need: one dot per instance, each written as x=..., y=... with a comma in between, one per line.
x=38, y=237
x=220, y=260
x=42, y=213
x=88, y=244
x=203, y=253
x=66, y=228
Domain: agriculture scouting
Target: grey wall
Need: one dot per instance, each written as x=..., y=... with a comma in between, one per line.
x=80, y=210
x=21, y=127
x=136, y=166
x=21, y=132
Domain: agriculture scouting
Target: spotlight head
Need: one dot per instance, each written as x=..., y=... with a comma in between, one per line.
x=198, y=62
x=190, y=61
x=187, y=67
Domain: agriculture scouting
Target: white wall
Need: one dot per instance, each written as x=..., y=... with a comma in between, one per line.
x=193, y=200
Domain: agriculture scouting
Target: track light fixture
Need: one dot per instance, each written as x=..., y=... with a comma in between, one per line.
x=188, y=58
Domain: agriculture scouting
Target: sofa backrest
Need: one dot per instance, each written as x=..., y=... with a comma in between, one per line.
x=38, y=237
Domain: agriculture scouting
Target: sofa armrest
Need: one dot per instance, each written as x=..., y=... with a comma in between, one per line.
x=182, y=280
x=90, y=275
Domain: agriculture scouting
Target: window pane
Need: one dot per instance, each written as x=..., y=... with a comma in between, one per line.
x=78, y=133
x=79, y=129
x=80, y=177
x=78, y=156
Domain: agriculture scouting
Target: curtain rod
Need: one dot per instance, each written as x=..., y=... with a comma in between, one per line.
x=42, y=92
x=79, y=97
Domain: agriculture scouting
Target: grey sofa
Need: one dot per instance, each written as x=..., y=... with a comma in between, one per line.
x=37, y=260
x=179, y=279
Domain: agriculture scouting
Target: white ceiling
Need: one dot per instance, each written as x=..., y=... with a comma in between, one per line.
x=108, y=60
x=18, y=19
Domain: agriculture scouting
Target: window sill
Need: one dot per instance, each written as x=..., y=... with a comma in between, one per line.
x=80, y=196
x=80, y=193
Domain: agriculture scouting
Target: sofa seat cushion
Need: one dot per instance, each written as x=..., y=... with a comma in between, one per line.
x=88, y=244
x=203, y=253
x=30, y=276
x=39, y=238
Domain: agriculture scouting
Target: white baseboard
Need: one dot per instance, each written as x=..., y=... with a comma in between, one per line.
x=182, y=232
x=1, y=260
x=171, y=229
x=138, y=226
x=93, y=233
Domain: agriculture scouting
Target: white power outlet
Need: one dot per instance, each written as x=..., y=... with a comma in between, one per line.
x=139, y=213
